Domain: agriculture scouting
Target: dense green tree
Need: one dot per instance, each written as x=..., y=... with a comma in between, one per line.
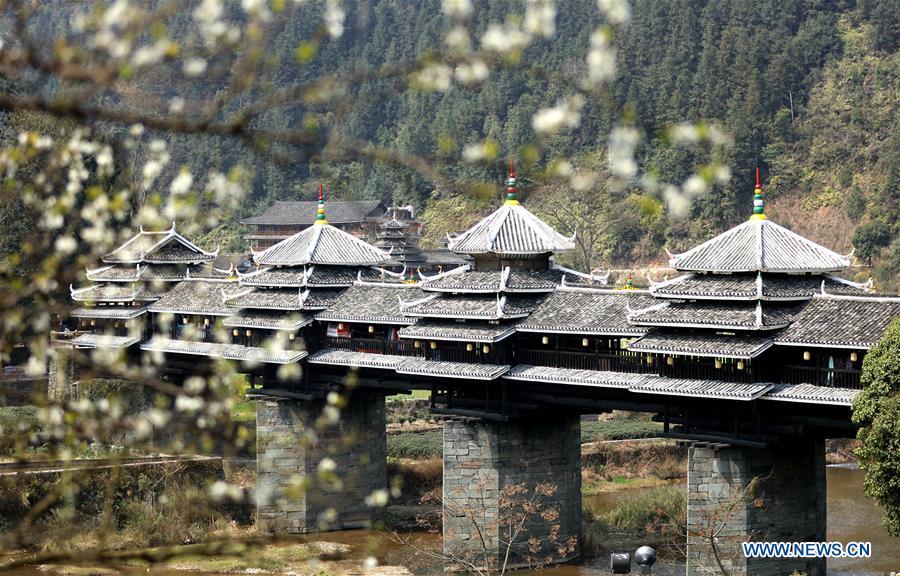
x=869, y=239
x=877, y=408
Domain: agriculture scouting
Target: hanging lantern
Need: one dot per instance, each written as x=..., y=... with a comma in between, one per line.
x=248, y=333
x=740, y=364
x=433, y=345
x=718, y=363
x=670, y=360
x=585, y=342
x=806, y=355
x=371, y=329
x=854, y=356
x=469, y=347
x=486, y=349
x=417, y=344
x=291, y=336
x=184, y=320
x=235, y=332
x=340, y=325
x=649, y=360
x=93, y=322
x=545, y=340
x=206, y=321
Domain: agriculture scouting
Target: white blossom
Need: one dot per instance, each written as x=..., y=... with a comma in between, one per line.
x=327, y=465
x=471, y=73
x=188, y=403
x=504, y=40
x=457, y=8
x=623, y=141
x=378, y=498
x=458, y=40
x=540, y=18
x=616, y=11
x=434, y=78
x=65, y=245
x=181, y=184
x=566, y=114
x=176, y=105
x=334, y=18
x=194, y=67
x=601, y=58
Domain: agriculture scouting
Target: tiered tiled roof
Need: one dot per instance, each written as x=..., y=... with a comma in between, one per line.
x=759, y=246
x=751, y=286
x=166, y=246
x=587, y=311
x=325, y=245
x=841, y=322
x=371, y=303
x=702, y=344
x=716, y=315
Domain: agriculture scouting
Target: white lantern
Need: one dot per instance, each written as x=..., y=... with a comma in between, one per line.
x=371, y=329
x=585, y=342
x=806, y=355
x=235, y=332
x=670, y=360
x=854, y=356
x=740, y=364
x=433, y=345
x=718, y=363
x=486, y=349
x=469, y=347
x=545, y=340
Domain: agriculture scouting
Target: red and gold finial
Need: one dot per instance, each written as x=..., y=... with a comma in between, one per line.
x=511, y=197
x=759, y=202
x=320, y=213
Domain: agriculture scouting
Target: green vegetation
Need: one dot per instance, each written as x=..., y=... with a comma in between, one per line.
x=17, y=424
x=878, y=409
x=618, y=429
x=244, y=411
x=417, y=445
x=659, y=511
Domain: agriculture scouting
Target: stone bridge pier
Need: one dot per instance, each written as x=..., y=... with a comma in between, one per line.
x=737, y=494
x=314, y=476
x=494, y=472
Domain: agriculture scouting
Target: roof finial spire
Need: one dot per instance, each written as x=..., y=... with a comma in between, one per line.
x=320, y=214
x=511, y=197
x=758, y=201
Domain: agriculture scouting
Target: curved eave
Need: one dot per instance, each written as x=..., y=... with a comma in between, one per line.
x=743, y=327
x=393, y=320
x=580, y=331
x=731, y=297
x=820, y=344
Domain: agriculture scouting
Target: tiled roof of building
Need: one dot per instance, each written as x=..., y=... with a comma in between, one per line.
x=355, y=359
x=640, y=383
x=752, y=286
x=378, y=304
x=759, y=245
x=158, y=246
x=812, y=394
x=104, y=341
x=247, y=354
x=587, y=312
x=106, y=293
x=110, y=312
x=323, y=244
x=702, y=344
x=510, y=230
x=298, y=277
x=458, y=331
x=842, y=322
x=716, y=314
x=666, y=386
x=472, y=306
x=268, y=320
x=464, y=370
x=289, y=299
x=303, y=213
x=196, y=297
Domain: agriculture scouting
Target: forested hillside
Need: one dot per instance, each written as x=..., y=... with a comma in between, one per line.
x=807, y=89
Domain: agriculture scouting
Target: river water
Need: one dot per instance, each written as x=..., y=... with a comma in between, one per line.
x=851, y=517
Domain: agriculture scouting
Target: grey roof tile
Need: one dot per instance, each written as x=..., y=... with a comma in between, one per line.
x=702, y=344
x=104, y=341
x=196, y=297
x=759, y=245
x=458, y=331
x=474, y=306
x=111, y=312
x=841, y=322
x=268, y=299
x=465, y=370
x=587, y=312
x=811, y=394
x=379, y=304
x=355, y=359
x=510, y=230
x=272, y=320
x=717, y=314
x=247, y=354
x=321, y=244
x=744, y=287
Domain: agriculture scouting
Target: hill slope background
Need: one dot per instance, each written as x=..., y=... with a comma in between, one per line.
x=808, y=90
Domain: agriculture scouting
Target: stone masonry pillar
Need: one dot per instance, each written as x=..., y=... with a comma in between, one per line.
x=735, y=494
x=314, y=477
x=493, y=472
